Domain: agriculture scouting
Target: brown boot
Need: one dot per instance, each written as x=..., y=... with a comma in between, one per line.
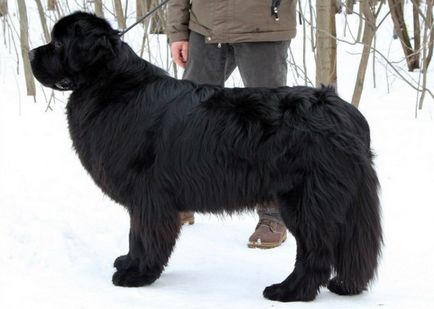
x=186, y=217
x=268, y=234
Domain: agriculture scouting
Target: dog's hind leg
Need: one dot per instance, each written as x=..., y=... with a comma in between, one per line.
x=360, y=240
x=314, y=234
x=153, y=233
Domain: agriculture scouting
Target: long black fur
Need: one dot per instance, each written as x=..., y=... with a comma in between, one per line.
x=159, y=146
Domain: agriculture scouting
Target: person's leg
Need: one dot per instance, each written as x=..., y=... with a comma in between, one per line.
x=264, y=64
x=206, y=64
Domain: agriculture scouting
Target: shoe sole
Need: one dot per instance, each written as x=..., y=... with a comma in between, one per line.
x=253, y=245
x=188, y=222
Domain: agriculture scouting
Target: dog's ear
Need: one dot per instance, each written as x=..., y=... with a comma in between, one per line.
x=102, y=46
x=88, y=49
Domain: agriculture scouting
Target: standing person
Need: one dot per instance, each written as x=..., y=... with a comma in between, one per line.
x=209, y=39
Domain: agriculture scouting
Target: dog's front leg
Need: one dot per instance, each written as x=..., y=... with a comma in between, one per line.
x=152, y=237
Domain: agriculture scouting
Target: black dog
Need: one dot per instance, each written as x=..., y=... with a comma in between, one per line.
x=159, y=146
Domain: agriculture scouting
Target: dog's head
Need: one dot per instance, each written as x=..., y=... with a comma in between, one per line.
x=81, y=46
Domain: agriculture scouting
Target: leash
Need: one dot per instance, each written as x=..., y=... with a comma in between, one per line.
x=144, y=17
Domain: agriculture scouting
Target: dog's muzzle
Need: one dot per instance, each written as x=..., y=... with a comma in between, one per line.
x=64, y=84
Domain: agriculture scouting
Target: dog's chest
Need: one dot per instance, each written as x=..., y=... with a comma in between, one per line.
x=87, y=140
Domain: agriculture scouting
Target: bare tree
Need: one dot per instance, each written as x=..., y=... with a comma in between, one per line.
x=120, y=14
x=304, y=44
x=99, y=8
x=326, y=43
x=429, y=42
x=360, y=29
x=397, y=12
x=368, y=11
x=51, y=5
x=428, y=47
x=24, y=37
x=322, y=35
x=140, y=6
x=416, y=26
x=3, y=7
x=349, y=6
x=158, y=20
x=335, y=8
x=43, y=20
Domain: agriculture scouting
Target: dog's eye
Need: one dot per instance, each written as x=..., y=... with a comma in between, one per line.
x=58, y=44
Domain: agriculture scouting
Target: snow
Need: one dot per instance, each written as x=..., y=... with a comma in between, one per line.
x=59, y=234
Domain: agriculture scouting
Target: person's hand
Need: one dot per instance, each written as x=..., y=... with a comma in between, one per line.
x=180, y=53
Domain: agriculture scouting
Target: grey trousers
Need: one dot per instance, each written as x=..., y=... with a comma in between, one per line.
x=261, y=64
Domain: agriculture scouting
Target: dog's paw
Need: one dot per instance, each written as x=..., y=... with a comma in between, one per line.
x=277, y=292
x=339, y=287
x=122, y=262
x=281, y=292
x=132, y=277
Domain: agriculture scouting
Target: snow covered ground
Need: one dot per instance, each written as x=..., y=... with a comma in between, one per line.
x=59, y=234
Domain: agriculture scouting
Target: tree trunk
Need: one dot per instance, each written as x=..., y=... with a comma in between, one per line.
x=333, y=55
x=24, y=38
x=349, y=5
x=429, y=24
x=325, y=43
x=98, y=8
x=368, y=36
x=139, y=9
x=43, y=21
x=427, y=48
x=312, y=33
x=304, y=43
x=120, y=14
x=397, y=13
x=416, y=26
x=51, y=5
x=158, y=25
x=360, y=28
x=3, y=7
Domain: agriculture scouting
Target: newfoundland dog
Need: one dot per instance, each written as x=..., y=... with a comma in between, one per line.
x=159, y=146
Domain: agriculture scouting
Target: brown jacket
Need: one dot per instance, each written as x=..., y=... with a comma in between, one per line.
x=231, y=21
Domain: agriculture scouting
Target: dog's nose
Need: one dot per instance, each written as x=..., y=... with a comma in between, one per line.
x=32, y=55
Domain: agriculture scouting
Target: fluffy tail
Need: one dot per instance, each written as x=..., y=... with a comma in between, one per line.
x=360, y=240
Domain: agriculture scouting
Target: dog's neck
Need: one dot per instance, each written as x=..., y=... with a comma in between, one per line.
x=126, y=65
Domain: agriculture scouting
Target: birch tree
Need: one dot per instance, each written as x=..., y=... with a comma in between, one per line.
x=427, y=51
x=397, y=12
x=349, y=6
x=99, y=8
x=326, y=43
x=3, y=7
x=416, y=27
x=51, y=5
x=120, y=14
x=43, y=20
x=368, y=10
x=24, y=40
